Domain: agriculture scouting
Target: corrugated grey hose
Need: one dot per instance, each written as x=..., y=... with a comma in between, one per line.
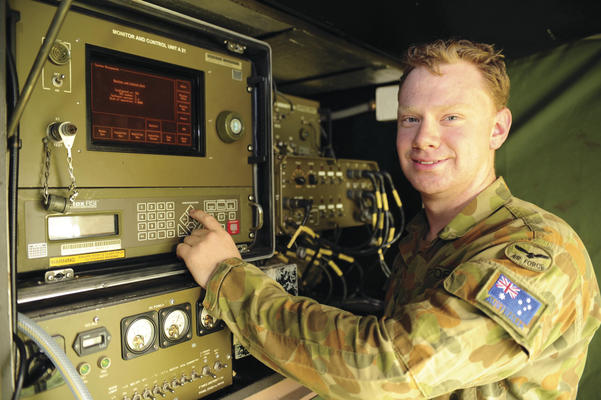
x=56, y=355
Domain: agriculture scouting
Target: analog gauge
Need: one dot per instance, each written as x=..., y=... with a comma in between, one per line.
x=140, y=334
x=175, y=324
x=206, y=320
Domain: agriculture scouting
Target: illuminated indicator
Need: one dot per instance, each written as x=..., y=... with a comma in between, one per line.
x=81, y=226
x=84, y=368
x=104, y=362
x=236, y=125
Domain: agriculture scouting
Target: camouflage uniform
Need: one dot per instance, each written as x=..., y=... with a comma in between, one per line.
x=502, y=305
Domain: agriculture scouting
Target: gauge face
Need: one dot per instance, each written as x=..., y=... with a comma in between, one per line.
x=140, y=334
x=206, y=320
x=175, y=324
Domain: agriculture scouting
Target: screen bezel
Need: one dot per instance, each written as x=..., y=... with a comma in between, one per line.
x=146, y=65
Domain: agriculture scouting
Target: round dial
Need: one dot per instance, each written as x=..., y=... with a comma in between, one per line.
x=175, y=324
x=140, y=334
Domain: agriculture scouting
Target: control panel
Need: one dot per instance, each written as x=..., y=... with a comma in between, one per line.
x=321, y=193
x=158, y=346
x=296, y=125
x=128, y=130
x=111, y=225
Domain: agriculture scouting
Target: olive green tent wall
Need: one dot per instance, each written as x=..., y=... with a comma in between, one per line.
x=553, y=154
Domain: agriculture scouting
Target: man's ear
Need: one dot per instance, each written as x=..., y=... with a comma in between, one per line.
x=501, y=128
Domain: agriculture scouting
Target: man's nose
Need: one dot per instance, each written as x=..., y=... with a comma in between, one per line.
x=427, y=135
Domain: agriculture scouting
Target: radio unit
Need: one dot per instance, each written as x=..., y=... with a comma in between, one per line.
x=133, y=125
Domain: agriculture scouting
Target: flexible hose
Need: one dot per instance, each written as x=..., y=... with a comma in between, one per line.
x=55, y=354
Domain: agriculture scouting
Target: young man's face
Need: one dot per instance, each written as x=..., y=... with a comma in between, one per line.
x=447, y=131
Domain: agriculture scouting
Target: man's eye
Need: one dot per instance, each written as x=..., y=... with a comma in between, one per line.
x=410, y=120
x=451, y=117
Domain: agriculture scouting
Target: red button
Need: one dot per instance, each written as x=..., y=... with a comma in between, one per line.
x=233, y=227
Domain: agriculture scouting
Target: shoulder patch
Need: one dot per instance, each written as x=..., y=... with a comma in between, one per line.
x=529, y=255
x=512, y=302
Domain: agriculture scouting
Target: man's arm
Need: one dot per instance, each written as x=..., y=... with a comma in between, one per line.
x=341, y=355
x=206, y=247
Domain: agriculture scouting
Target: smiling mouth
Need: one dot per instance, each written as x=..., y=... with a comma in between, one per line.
x=422, y=162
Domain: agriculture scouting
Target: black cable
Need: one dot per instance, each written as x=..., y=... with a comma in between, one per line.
x=327, y=133
x=22, y=352
x=344, y=288
x=307, y=207
x=14, y=146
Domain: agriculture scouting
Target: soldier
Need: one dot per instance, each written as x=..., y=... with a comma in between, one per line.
x=491, y=296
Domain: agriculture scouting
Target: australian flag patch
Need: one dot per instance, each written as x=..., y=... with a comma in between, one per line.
x=511, y=302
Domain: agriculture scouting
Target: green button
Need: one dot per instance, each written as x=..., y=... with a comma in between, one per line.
x=84, y=368
x=104, y=362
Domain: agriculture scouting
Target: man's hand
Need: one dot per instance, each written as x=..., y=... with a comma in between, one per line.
x=206, y=247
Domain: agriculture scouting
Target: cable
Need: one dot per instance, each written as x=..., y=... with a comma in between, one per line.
x=14, y=144
x=22, y=366
x=56, y=354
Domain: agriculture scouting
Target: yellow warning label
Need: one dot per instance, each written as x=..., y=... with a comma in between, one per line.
x=85, y=258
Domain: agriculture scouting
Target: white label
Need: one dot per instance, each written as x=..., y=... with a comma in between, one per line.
x=37, y=250
x=90, y=247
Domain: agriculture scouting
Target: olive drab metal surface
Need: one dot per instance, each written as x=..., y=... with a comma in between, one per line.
x=140, y=115
x=123, y=125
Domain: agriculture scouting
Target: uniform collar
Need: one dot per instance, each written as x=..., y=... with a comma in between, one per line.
x=480, y=208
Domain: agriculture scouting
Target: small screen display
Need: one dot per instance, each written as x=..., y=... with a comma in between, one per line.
x=64, y=227
x=143, y=106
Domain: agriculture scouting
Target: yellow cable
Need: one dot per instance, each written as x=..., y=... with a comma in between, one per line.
x=397, y=198
x=327, y=252
x=282, y=257
x=391, y=235
x=346, y=258
x=333, y=265
x=378, y=200
x=300, y=229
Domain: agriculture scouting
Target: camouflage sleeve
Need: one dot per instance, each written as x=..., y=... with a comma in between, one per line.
x=426, y=349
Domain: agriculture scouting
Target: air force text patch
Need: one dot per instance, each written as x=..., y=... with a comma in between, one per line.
x=529, y=255
x=512, y=302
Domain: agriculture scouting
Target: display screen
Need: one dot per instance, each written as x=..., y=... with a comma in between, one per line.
x=82, y=226
x=144, y=106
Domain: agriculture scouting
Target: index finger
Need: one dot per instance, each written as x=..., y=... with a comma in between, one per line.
x=205, y=219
